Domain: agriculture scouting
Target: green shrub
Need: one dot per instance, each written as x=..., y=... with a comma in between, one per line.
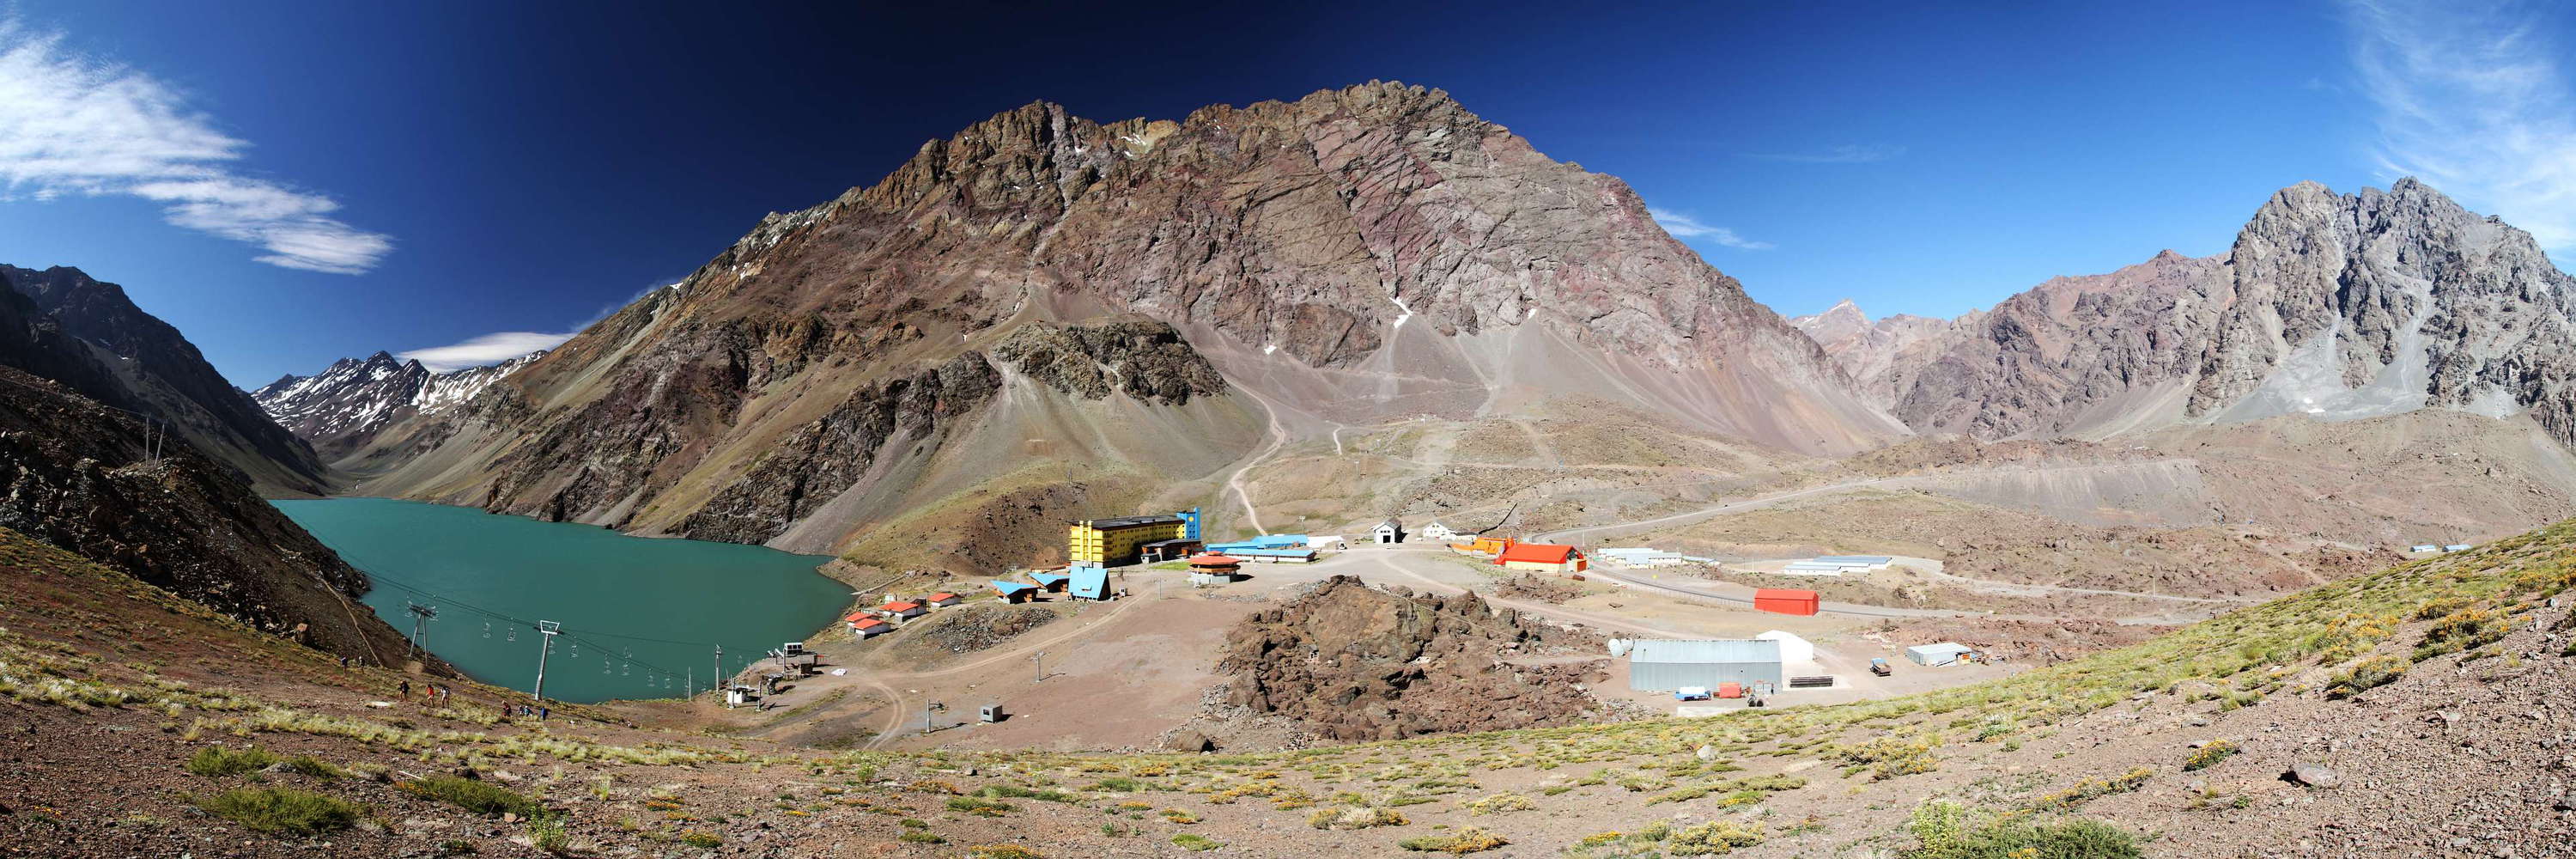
x=476, y=796
x=2366, y=675
x=1948, y=830
x=1714, y=838
x=2091, y=789
x=1195, y=843
x=1500, y=803
x=315, y=767
x=1368, y=817
x=283, y=811
x=216, y=761
x=980, y=806
x=2209, y=755
x=919, y=836
x=703, y=840
x=1466, y=839
x=2463, y=630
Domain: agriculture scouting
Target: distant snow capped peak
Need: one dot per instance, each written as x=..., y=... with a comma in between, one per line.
x=340, y=408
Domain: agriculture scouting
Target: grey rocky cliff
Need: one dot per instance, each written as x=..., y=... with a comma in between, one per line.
x=2331, y=305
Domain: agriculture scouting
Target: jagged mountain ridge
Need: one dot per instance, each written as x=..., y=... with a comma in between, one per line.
x=66, y=326
x=2337, y=306
x=1357, y=255
x=340, y=409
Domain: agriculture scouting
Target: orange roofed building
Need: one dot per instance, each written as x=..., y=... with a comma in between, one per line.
x=1543, y=558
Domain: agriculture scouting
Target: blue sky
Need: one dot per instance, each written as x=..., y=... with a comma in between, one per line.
x=292, y=183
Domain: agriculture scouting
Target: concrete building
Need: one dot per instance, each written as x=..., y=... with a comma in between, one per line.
x=1656, y=665
x=943, y=599
x=1542, y=558
x=1121, y=540
x=1389, y=531
x=866, y=627
x=901, y=609
x=2422, y=548
x=1277, y=556
x=1437, y=531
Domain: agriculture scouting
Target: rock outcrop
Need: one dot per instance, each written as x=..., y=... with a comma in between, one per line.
x=1351, y=662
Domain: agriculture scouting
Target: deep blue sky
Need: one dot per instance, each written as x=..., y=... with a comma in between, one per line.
x=535, y=163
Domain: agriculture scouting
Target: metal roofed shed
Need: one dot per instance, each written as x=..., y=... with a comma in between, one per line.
x=1014, y=591
x=1936, y=655
x=1787, y=601
x=1089, y=583
x=1050, y=581
x=1657, y=665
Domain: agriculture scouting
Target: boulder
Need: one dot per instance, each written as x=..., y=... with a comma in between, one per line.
x=2313, y=775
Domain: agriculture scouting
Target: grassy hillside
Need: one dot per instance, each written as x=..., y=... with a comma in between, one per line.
x=2171, y=748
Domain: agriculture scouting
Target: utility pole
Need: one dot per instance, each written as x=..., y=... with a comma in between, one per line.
x=719, y=681
x=419, y=614
x=692, y=686
x=550, y=629
x=1040, y=659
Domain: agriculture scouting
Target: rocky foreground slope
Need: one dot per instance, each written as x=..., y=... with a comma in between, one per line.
x=83, y=477
x=1355, y=255
x=61, y=324
x=2337, y=306
x=2419, y=710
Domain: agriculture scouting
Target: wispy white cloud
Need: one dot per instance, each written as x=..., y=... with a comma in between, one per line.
x=1685, y=226
x=1849, y=153
x=502, y=346
x=2472, y=99
x=72, y=124
x=487, y=349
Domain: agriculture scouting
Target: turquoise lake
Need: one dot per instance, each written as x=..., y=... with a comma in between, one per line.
x=641, y=617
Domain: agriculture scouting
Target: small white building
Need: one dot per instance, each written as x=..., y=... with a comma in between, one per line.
x=1390, y=531
x=1794, y=650
x=2457, y=547
x=1439, y=531
x=2423, y=548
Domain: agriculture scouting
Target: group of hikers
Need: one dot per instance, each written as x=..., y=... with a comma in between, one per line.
x=441, y=695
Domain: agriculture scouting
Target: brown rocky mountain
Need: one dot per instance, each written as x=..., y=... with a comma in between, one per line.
x=1148, y=301
x=68, y=327
x=2336, y=306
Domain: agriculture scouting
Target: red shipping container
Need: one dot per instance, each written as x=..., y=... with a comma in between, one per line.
x=1730, y=690
x=1786, y=601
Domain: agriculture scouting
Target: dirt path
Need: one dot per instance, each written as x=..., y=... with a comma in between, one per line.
x=1277, y=439
x=898, y=706
x=1601, y=621
x=1727, y=507
x=1827, y=608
